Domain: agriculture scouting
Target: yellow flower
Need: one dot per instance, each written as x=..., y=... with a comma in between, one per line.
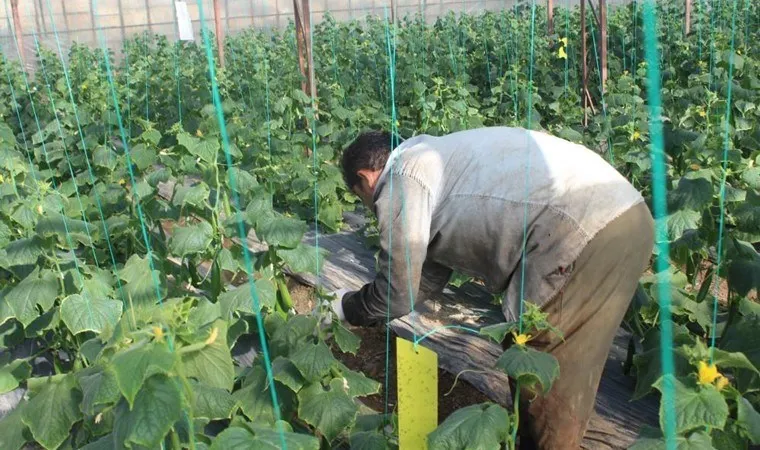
x=708, y=373
x=212, y=337
x=564, y=41
x=702, y=113
x=122, y=182
x=158, y=332
x=739, y=51
x=2, y=180
x=521, y=339
x=39, y=209
x=722, y=383
x=635, y=136
x=199, y=133
x=561, y=53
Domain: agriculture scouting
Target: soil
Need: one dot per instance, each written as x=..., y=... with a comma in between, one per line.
x=370, y=359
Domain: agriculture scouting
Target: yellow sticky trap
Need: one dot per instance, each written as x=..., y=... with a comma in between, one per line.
x=417, y=384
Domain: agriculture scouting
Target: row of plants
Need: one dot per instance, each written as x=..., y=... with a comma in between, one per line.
x=125, y=287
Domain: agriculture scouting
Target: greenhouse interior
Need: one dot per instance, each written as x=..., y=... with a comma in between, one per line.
x=355, y=224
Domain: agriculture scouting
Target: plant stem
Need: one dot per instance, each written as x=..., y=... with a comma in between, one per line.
x=516, y=415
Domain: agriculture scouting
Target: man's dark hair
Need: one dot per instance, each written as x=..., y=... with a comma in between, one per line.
x=368, y=151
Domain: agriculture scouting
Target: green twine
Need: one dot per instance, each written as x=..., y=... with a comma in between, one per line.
x=315, y=157
x=445, y=327
x=86, y=153
x=241, y=229
x=726, y=143
x=601, y=93
x=659, y=194
x=524, y=258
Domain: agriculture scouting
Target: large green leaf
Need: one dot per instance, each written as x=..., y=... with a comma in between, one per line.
x=255, y=398
x=12, y=373
x=291, y=335
x=133, y=366
x=53, y=410
x=205, y=149
x=529, y=366
x=64, y=228
x=13, y=432
x=653, y=440
x=477, y=426
x=681, y=221
x=696, y=406
x=23, y=251
x=287, y=373
x=89, y=314
x=194, y=195
x=314, y=361
x=329, y=411
x=751, y=176
x=212, y=403
x=748, y=419
x=191, y=239
x=38, y=290
x=141, y=283
x=692, y=193
x=302, y=259
x=213, y=363
x=281, y=231
x=359, y=385
x=257, y=438
x=157, y=407
x=497, y=332
x=239, y=299
x=369, y=440
x=99, y=387
x=347, y=341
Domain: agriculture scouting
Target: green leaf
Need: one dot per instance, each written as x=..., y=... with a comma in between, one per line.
x=51, y=413
x=195, y=195
x=23, y=251
x=36, y=290
x=255, y=399
x=89, y=314
x=13, y=432
x=11, y=374
x=157, y=407
x=696, y=406
x=302, y=259
x=152, y=136
x=751, y=176
x=240, y=299
x=287, y=373
x=191, y=239
x=213, y=363
x=281, y=231
x=358, y=384
x=205, y=149
x=330, y=412
x=748, y=419
x=369, y=440
x=256, y=438
x=680, y=221
x=292, y=334
x=477, y=426
x=314, y=361
x=212, y=403
x=652, y=439
x=143, y=156
x=134, y=365
x=529, y=367
x=98, y=388
x=141, y=282
x=499, y=331
x=347, y=341
x=691, y=193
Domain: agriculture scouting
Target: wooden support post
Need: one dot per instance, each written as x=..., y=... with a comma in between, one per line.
x=65, y=18
x=121, y=23
x=227, y=15
x=303, y=40
x=394, y=12
x=584, y=62
x=219, y=32
x=687, y=18
x=148, y=17
x=94, y=26
x=603, y=39
x=550, y=16
x=19, y=32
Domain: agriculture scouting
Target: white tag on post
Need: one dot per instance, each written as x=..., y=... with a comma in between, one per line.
x=184, y=23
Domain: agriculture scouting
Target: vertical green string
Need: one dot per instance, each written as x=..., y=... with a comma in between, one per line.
x=147, y=77
x=660, y=207
x=567, y=47
x=722, y=198
x=177, y=58
x=610, y=152
x=232, y=179
x=62, y=135
x=314, y=154
x=84, y=151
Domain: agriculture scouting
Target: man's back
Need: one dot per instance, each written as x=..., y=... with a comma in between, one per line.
x=486, y=186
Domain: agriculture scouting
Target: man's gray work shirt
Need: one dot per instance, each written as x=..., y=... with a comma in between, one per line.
x=468, y=200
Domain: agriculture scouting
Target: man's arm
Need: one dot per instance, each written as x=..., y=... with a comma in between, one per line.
x=404, y=214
